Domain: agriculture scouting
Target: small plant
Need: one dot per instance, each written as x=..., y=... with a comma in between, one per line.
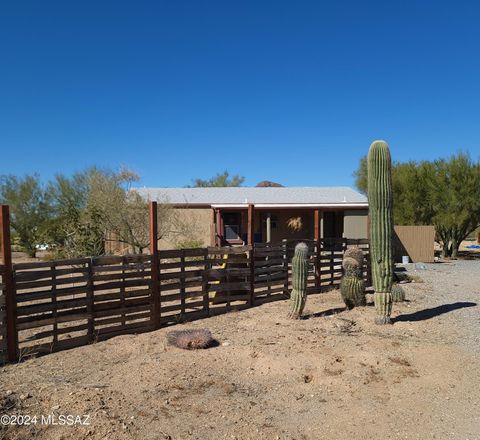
x=190, y=339
x=295, y=223
x=299, y=280
x=189, y=244
x=398, y=294
x=352, y=286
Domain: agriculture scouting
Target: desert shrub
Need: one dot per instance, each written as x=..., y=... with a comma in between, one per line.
x=190, y=339
x=408, y=277
x=189, y=244
x=295, y=223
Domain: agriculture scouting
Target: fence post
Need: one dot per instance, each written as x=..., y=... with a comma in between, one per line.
x=251, y=300
x=316, y=236
x=205, y=284
x=90, y=301
x=250, y=224
x=182, y=284
x=154, y=264
x=285, y=266
x=10, y=302
x=318, y=273
x=332, y=261
x=369, y=265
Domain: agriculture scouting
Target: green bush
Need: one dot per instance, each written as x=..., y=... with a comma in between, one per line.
x=189, y=244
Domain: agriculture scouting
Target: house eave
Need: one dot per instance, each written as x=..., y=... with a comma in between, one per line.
x=358, y=205
x=343, y=205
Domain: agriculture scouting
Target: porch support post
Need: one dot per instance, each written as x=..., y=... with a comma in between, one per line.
x=269, y=227
x=213, y=229
x=219, y=228
x=316, y=236
x=250, y=225
x=316, y=224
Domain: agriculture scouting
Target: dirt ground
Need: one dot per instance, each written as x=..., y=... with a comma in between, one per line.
x=334, y=375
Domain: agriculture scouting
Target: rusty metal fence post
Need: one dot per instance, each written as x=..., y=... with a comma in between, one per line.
x=251, y=298
x=155, y=276
x=10, y=302
x=286, y=290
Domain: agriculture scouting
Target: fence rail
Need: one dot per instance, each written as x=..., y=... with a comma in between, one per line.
x=68, y=303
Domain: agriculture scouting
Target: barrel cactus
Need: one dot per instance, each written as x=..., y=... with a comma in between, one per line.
x=298, y=297
x=398, y=294
x=353, y=292
x=352, y=286
x=351, y=267
x=356, y=253
x=380, y=201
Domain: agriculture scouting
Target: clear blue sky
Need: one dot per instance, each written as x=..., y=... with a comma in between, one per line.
x=287, y=91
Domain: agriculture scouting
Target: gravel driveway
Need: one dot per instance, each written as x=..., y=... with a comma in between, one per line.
x=452, y=298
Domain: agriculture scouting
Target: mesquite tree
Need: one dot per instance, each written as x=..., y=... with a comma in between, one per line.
x=443, y=193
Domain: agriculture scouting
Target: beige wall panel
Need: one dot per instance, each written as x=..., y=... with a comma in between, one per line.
x=355, y=224
x=195, y=224
x=418, y=242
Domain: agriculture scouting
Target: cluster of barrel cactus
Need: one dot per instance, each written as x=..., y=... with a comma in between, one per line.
x=380, y=201
x=352, y=286
x=298, y=297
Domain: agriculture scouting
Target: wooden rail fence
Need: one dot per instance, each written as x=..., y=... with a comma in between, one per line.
x=67, y=303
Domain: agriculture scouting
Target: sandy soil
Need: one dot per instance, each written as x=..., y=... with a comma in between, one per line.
x=334, y=375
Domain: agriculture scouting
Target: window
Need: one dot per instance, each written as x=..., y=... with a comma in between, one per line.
x=232, y=222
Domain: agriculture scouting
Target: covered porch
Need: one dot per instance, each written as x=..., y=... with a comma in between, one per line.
x=250, y=224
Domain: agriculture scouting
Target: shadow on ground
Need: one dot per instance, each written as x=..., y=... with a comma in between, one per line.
x=423, y=315
x=328, y=312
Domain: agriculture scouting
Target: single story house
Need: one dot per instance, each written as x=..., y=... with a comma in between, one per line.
x=239, y=215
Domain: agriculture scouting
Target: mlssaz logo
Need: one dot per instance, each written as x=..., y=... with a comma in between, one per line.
x=66, y=420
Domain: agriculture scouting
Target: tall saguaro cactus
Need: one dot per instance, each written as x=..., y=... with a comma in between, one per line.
x=380, y=200
x=299, y=280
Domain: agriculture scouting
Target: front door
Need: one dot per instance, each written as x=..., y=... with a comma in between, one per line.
x=333, y=224
x=232, y=226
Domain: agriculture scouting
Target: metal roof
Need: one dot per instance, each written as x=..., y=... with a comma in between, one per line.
x=269, y=196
